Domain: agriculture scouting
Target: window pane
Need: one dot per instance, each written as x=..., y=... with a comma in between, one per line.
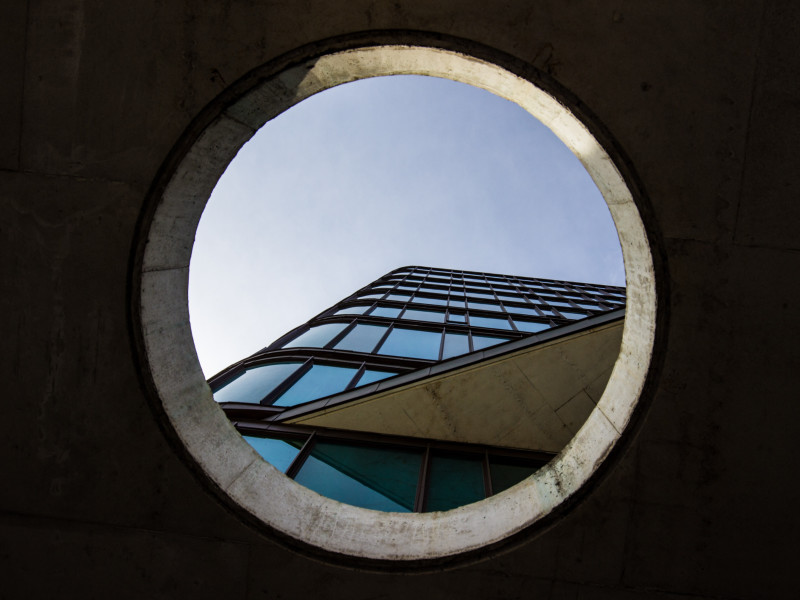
x=424, y=315
x=522, y=310
x=455, y=344
x=437, y=301
x=385, y=311
x=530, y=326
x=398, y=297
x=506, y=472
x=362, y=338
x=484, y=306
x=489, y=322
x=456, y=317
x=457, y=303
x=454, y=481
x=572, y=315
x=479, y=342
x=317, y=337
x=351, y=310
x=278, y=452
x=412, y=343
x=255, y=383
x=319, y=382
x=370, y=376
x=376, y=478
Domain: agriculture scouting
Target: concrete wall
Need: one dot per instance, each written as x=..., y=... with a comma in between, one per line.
x=701, y=96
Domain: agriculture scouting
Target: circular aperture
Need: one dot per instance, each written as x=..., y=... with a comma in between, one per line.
x=234, y=466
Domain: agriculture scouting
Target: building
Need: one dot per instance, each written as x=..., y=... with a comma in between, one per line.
x=697, y=102
x=312, y=405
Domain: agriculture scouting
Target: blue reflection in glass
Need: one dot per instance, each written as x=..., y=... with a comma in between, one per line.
x=522, y=310
x=385, y=311
x=437, y=301
x=455, y=344
x=320, y=381
x=370, y=376
x=479, y=342
x=572, y=315
x=317, y=337
x=530, y=326
x=255, y=383
x=433, y=316
x=412, y=343
x=489, y=322
x=484, y=306
x=278, y=452
x=362, y=338
x=351, y=310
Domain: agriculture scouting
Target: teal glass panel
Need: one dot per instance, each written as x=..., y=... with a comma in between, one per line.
x=530, y=326
x=317, y=337
x=506, y=472
x=433, y=316
x=255, y=383
x=279, y=452
x=489, y=322
x=412, y=343
x=370, y=376
x=318, y=382
x=479, y=342
x=436, y=301
x=572, y=315
x=454, y=481
x=455, y=344
x=484, y=306
x=352, y=310
x=386, y=311
x=362, y=338
x=369, y=477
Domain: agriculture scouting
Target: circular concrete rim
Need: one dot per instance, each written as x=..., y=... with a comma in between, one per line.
x=222, y=454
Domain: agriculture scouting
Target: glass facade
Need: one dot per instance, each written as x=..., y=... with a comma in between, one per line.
x=407, y=320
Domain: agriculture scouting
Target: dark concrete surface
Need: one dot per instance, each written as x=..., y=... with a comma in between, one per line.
x=703, y=98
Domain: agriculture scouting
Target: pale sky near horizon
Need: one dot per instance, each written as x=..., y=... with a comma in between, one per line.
x=374, y=175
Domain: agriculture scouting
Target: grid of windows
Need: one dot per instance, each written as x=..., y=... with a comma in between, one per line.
x=397, y=474
x=408, y=319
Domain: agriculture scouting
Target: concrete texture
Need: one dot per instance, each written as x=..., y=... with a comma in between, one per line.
x=699, y=97
x=534, y=399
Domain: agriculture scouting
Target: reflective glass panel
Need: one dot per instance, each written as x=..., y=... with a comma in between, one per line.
x=386, y=311
x=352, y=310
x=484, y=306
x=434, y=316
x=506, y=472
x=318, y=336
x=320, y=381
x=454, y=481
x=437, y=301
x=454, y=317
x=572, y=315
x=255, y=383
x=522, y=310
x=370, y=376
x=489, y=322
x=369, y=477
x=455, y=344
x=412, y=343
x=457, y=303
x=398, y=297
x=588, y=306
x=530, y=326
x=479, y=342
x=278, y=452
x=362, y=338
x=481, y=296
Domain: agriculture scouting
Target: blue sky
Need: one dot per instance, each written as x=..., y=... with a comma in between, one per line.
x=376, y=174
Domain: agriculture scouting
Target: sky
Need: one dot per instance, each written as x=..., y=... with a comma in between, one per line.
x=377, y=174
